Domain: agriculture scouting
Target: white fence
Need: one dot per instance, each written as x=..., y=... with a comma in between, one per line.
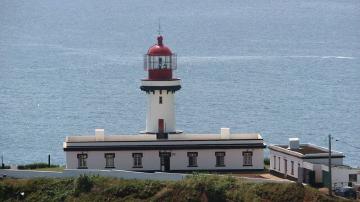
x=106, y=173
x=123, y=174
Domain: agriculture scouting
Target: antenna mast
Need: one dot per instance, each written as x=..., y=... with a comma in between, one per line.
x=159, y=30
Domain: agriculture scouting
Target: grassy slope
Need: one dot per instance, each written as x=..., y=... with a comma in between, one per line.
x=196, y=188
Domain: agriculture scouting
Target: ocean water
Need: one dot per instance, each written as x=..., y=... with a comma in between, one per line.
x=283, y=68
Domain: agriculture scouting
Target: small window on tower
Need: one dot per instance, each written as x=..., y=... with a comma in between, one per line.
x=160, y=100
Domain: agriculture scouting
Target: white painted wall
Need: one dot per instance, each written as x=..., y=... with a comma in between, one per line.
x=289, y=158
x=179, y=160
x=207, y=161
x=156, y=111
x=340, y=175
x=123, y=160
x=317, y=169
x=334, y=161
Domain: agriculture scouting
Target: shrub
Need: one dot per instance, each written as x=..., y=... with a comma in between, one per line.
x=135, y=188
x=280, y=192
x=5, y=167
x=208, y=187
x=267, y=161
x=35, y=166
x=83, y=184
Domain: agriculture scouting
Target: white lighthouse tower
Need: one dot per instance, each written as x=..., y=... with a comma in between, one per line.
x=160, y=87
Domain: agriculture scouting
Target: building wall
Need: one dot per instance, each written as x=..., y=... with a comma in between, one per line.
x=334, y=161
x=206, y=160
x=156, y=111
x=298, y=162
x=123, y=160
x=340, y=175
x=310, y=164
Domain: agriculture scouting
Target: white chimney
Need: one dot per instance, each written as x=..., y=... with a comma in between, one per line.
x=99, y=134
x=294, y=143
x=225, y=133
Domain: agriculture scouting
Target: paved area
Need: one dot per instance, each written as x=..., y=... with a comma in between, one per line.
x=272, y=177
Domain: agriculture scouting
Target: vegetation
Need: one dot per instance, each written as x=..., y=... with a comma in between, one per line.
x=4, y=167
x=266, y=161
x=36, y=166
x=198, y=187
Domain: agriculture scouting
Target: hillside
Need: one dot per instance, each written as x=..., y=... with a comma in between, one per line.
x=195, y=188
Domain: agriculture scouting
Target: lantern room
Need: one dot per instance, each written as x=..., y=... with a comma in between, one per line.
x=159, y=61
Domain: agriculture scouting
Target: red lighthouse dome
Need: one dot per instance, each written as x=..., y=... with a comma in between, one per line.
x=159, y=48
x=159, y=61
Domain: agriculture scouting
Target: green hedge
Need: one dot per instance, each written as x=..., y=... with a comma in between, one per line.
x=35, y=166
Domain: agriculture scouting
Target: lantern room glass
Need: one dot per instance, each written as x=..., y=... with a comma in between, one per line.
x=160, y=62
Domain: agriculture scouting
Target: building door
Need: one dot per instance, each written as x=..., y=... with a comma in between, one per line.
x=161, y=125
x=300, y=174
x=165, y=161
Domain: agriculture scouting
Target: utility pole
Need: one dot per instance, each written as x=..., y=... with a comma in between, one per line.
x=2, y=160
x=330, y=178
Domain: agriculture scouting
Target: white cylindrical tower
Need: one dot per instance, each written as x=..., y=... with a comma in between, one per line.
x=160, y=87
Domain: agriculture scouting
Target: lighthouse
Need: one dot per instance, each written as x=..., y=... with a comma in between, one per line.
x=160, y=147
x=160, y=87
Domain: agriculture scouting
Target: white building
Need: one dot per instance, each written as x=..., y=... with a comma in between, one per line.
x=160, y=147
x=341, y=176
x=309, y=163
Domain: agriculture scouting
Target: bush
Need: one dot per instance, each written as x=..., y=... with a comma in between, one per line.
x=83, y=184
x=5, y=167
x=208, y=187
x=267, y=161
x=135, y=188
x=35, y=166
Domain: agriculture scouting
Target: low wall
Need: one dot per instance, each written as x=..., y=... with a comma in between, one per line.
x=123, y=174
x=106, y=173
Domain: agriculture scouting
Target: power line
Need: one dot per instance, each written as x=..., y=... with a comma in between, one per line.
x=347, y=144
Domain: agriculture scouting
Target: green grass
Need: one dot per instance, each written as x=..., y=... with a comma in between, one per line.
x=198, y=187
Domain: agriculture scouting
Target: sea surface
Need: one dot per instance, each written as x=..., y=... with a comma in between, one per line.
x=284, y=68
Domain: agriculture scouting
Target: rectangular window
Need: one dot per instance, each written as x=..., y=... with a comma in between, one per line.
x=247, y=158
x=292, y=167
x=160, y=100
x=137, y=160
x=109, y=160
x=192, y=159
x=279, y=163
x=285, y=164
x=274, y=162
x=352, y=177
x=220, y=159
x=82, y=160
